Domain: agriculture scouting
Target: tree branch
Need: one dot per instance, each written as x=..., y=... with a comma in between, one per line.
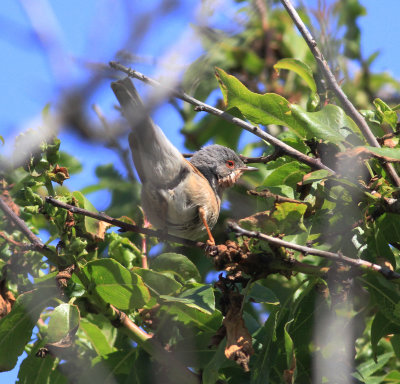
x=37, y=244
x=334, y=86
x=176, y=369
x=200, y=106
x=125, y=226
x=362, y=264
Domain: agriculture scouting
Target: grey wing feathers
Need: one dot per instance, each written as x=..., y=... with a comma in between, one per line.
x=156, y=159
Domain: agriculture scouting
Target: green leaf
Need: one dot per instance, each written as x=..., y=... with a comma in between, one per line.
x=176, y=264
x=115, y=284
x=381, y=327
x=392, y=377
x=91, y=225
x=366, y=369
x=123, y=250
x=156, y=282
x=16, y=328
x=289, y=349
x=201, y=296
x=261, y=294
x=192, y=312
x=63, y=320
x=388, y=154
x=265, y=343
x=70, y=162
x=290, y=217
x=330, y=123
x=2, y=140
x=385, y=295
x=210, y=374
x=288, y=174
x=302, y=69
x=316, y=176
x=35, y=370
x=385, y=113
x=96, y=337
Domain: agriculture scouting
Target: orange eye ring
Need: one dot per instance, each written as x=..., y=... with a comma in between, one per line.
x=230, y=164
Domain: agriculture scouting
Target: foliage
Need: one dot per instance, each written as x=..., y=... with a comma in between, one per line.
x=287, y=316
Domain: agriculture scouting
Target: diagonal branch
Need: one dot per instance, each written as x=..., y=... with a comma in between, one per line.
x=37, y=244
x=153, y=347
x=125, y=226
x=200, y=106
x=362, y=264
x=334, y=86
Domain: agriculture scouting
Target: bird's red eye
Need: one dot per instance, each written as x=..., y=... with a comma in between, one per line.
x=230, y=164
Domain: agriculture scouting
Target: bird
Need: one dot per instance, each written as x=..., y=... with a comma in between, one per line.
x=180, y=196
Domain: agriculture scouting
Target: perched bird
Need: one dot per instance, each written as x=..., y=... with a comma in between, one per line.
x=177, y=195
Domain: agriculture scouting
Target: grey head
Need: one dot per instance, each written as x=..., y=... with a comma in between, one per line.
x=221, y=166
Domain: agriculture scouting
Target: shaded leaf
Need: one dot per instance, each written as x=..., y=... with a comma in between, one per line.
x=115, y=284
x=16, y=328
x=261, y=294
x=366, y=369
x=96, y=337
x=176, y=264
x=63, y=320
x=156, y=282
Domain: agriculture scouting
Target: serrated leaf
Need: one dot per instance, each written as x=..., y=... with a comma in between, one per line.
x=330, y=123
x=16, y=328
x=64, y=319
x=177, y=264
x=156, y=282
x=302, y=69
x=115, y=284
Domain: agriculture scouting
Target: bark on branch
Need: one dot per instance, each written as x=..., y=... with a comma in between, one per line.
x=125, y=226
x=348, y=106
x=358, y=263
x=200, y=106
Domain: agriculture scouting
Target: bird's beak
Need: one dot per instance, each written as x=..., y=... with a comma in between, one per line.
x=248, y=169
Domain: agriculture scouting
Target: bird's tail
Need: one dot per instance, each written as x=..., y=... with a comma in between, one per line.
x=155, y=157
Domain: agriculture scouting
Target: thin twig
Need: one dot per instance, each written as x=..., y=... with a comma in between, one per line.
x=200, y=106
x=278, y=198
x=263, y=159
x=114, y=143
x=155, y=349
x=363, y=264
x=125, y=226
x=349, y=108
x=13, y=217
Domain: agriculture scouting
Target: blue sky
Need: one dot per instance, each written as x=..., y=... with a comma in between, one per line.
x=93, y=29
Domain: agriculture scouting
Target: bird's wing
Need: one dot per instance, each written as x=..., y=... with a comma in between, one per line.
x=156, y=159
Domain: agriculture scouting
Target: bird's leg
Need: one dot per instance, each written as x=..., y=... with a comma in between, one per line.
x=202, y=214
